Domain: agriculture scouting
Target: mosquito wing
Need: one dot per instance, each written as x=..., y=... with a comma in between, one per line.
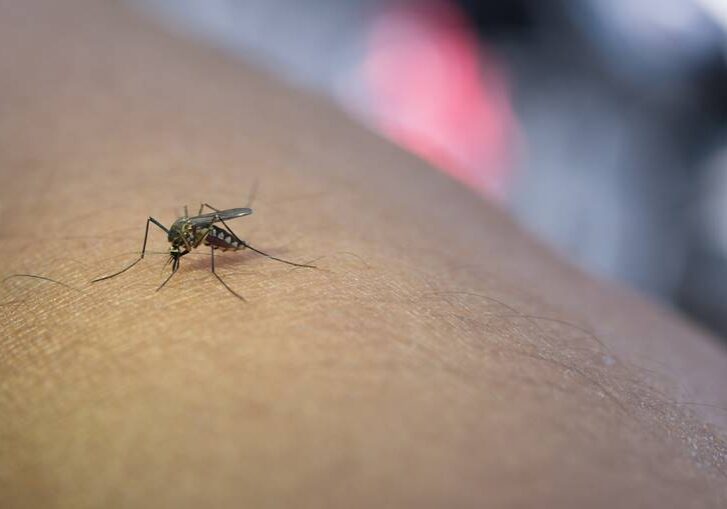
x=223, y=215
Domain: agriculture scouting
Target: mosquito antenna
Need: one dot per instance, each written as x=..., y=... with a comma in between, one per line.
x=276, y=258
x=35, y=276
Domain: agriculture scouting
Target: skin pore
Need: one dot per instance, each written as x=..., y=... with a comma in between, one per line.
x=437, y=357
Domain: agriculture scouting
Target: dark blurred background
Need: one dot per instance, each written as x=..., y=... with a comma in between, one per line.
x=601, y=124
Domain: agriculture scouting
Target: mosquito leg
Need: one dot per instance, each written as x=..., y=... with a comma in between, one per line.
x=143, y=249
x=175, y=267
x=288, y=262
x=201, y=207
x=186, y=211
x=229, y=230
x=233, y=292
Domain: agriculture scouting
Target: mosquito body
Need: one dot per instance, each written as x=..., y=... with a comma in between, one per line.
x=188, y=233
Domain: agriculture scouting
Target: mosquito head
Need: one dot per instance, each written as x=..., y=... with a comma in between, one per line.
x=174, y=255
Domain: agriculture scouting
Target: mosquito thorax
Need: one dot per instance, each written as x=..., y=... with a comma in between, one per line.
x=181, y=232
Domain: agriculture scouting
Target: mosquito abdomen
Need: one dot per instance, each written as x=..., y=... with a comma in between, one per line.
x=221, y=239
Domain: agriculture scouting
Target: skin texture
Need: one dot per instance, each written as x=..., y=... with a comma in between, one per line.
x=437, y=356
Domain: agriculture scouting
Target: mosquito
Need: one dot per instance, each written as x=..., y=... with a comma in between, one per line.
x=188, y=233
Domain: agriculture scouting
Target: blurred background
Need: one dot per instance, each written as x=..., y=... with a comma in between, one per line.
x=600, y=124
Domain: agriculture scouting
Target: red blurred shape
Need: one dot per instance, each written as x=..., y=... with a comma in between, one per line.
x=437, y=92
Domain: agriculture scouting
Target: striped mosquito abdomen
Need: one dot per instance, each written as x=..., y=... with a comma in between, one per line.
x=221, y=239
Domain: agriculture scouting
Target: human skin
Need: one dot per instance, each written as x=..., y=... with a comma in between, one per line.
x=437, y=357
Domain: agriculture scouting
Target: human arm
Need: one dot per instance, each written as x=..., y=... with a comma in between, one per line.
x=437, y=356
